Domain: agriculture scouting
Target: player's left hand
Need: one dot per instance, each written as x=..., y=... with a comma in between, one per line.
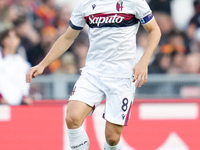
x=140, y=72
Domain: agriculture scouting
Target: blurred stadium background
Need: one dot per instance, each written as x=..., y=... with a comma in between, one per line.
x=166, y=112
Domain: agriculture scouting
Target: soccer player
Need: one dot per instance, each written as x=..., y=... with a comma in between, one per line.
x=109, y=71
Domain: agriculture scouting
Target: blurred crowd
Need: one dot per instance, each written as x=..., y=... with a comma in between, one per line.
x=179, y=49
x=38, y=23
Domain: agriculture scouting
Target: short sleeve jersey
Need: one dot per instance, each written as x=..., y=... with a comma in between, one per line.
x=113, y=25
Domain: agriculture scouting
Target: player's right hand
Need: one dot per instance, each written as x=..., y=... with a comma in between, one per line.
x=33, y=72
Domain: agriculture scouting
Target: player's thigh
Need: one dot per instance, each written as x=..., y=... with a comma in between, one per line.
x=119, y=99
x=113, y=133
x=88, y=90
x=77, y=111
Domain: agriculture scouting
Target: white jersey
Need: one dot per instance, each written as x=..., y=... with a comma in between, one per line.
x=113, y=25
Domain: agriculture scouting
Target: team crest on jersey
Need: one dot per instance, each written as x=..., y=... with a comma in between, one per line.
x=119, y=6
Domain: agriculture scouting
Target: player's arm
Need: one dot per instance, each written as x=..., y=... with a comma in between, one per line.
x=61, y=45
x=141, y=68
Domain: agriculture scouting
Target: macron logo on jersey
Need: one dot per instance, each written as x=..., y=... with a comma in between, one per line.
x=110, y=20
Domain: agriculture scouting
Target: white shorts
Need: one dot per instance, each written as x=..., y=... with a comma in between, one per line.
x=119, y=94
